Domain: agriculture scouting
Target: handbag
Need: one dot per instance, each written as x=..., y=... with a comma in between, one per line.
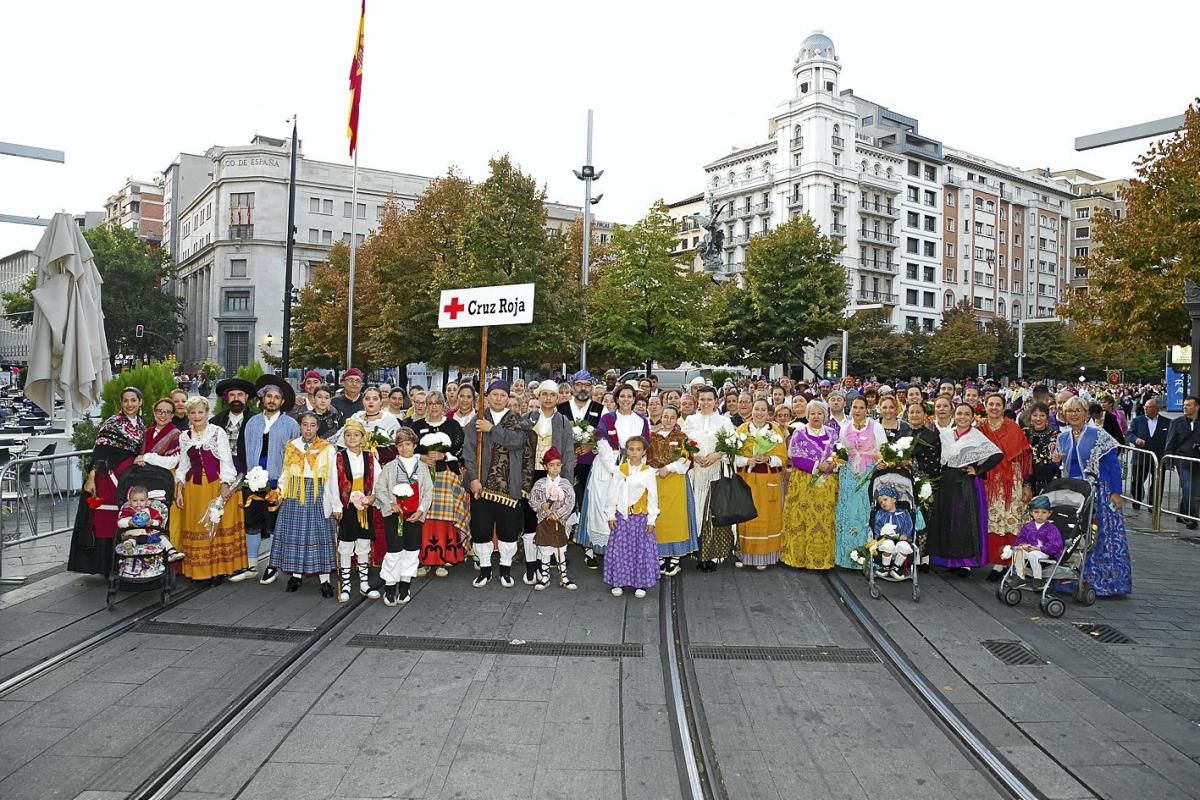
x=730, y=500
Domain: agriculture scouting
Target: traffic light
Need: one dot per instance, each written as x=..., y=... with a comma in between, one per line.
x=139, y=331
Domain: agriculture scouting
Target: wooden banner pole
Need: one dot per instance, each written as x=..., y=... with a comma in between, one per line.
x=479, y=411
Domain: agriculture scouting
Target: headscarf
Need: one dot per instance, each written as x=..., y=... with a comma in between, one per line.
x=122, y=433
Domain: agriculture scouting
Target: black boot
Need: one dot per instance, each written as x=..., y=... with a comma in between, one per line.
x=531, y=572
x=506, y=576
x=484, y=576
x=402, y=595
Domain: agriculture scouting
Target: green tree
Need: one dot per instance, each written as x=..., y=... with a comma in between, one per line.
x=1057, y=350
x=319, y=319
x=132, y=295
x=18, y=304
x=874, y=345
x=797, y=292
x=648, y=306
x=504, y=241
x=961, y=343
x=155, y=380
x=1138, y=262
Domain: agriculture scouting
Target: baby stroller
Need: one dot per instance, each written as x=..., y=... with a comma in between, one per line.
x=902, y=482
x=1071, y=503
x=140, y=565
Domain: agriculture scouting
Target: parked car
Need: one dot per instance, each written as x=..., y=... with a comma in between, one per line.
x=670, y=378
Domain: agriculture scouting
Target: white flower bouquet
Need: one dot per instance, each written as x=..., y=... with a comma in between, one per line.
x=215, y=510
x=583, y=432
x=403, y=491
x=257, y=479
x=437, y=442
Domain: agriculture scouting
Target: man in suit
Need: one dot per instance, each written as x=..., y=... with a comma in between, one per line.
x=237, y=393
x=1183, y=439
x=553, y=429
x=581, y=407
x=1147, y=432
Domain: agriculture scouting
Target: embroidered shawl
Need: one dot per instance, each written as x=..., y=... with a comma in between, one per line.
x=1017, y=461
x=316, y=457
x=970, y=448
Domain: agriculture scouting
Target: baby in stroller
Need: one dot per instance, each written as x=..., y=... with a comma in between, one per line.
x=141, y=522
x=1038, y=542
x=892, y=527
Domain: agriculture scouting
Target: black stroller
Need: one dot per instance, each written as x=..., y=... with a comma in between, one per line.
x=902, y=481
x=139, y=565
x=1071, y=504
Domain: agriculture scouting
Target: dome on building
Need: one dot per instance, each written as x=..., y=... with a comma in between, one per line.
x=817, y=45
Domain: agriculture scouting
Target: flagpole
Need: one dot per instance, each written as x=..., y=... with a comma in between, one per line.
x=353, y=251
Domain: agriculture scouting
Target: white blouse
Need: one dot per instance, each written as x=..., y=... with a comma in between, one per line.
x=331, y=499
x=703, y=429
x=214, y=440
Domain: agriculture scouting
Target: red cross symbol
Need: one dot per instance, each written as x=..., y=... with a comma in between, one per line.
x=454, y=308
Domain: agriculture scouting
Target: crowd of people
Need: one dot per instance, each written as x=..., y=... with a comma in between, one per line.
x=334, y=481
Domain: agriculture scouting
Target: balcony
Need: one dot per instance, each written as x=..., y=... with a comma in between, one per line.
x=865, y=296
x=838, y=200
x=735, y=268
x=796, y=201
x=797, y=142
x=879, y=209
x=761, y=208
x=838, y=142
x=877, y=236
x=734, y=241
x=837, y=230
x=876, y=265
x=744, y=211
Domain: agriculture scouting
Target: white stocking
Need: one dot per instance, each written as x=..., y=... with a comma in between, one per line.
x=507, y=551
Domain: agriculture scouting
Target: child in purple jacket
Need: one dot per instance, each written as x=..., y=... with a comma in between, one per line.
x=1038, y=541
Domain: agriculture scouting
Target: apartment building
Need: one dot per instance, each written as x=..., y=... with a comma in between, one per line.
x=138, y=206
x=1091, y=194
x=683, y=214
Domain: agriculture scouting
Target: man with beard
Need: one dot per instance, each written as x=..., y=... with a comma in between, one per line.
x=236, y=392
x=553, y=431
x=498, y=482
x=581, y=407
x=350, y=403
x=266, y=434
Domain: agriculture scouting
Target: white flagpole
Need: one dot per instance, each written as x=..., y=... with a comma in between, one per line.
x=353, y=251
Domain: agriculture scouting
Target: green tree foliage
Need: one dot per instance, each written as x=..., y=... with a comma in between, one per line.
x=960, y=344
x=1138, y=262
x=319, y=319
x=875, y=348
x=504, y=241
x=18, y=304
x=796, y=290
x=133, y=275
x=1056, y=350
x=155, y=380
x=647, y=306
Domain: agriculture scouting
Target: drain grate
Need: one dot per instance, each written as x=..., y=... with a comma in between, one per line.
x=1104, y=633
x=224, y=631
x=1016, y=654
x=497, y=646
x=835, y=655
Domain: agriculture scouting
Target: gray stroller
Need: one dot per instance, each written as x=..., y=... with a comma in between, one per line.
x=902, y=482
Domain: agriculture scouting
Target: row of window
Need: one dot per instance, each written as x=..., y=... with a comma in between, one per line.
x=323, y=205
x=203, y=215
x=915, y=169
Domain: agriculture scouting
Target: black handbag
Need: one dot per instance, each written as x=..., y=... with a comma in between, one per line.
x=730, y=500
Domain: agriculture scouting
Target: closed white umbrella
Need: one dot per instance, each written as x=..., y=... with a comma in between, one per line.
x=68, y=354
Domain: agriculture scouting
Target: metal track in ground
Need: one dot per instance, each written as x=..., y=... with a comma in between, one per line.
x=998, y=768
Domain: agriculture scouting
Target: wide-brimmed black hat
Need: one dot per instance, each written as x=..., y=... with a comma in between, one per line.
x=277, y=382
x=235, y=383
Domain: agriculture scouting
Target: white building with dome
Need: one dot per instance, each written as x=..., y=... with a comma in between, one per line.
x=868, y=177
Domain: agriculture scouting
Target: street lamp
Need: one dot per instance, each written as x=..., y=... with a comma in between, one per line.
x=269, y=340
x=212, y=340
x=587, y=174
x=1021, y=323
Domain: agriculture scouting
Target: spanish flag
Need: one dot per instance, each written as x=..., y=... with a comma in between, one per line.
x=356, y=76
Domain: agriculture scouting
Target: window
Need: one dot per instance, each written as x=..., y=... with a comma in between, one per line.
x=241, y=200
x=979, y=253
x=910, y=323
x=314, y=236
x=346, y=209
x=326, y=237
x=360, y=237
x=346, y=238
x=950, y=199
x=913, y=219
x=927, y=325
x=950, y=224
x=948, y=300
x=1002, y=236
x=930, y=173
x=930, y=276
x=362, y=210
x=314, y=205
x=910, y=297
x=914, y=169
x=237, y=349
x=1002, y=284
x=930, y=223
x=966, y=226
x=804, y=88
x=978, y=302
x=237, y=300
x=1083, y=213
x=914, y=194
x=929, y=249
x=927, y=299
x=1081, y=252
x=979, y=229
x=837, y=159
x=237, y=268
x=1083, y=233
x=1017, y=239
x=949, y=250
x=948, y=275
x=829, y=86
x=1003, y=259
x=912, y=245
x=930, y=198
x=910, y=271
x=241, y=231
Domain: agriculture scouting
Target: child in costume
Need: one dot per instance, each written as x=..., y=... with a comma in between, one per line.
x=893, y=528
x=631, y=508
x=403, y=494
x=1038, y=542
x=138, y=517
x=552, y=498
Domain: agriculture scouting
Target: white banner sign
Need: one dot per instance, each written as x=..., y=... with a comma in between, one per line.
x=486, y=305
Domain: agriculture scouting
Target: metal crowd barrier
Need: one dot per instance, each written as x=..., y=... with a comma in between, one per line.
x=1170, y=490
x=38, y=497
x=1139, y=467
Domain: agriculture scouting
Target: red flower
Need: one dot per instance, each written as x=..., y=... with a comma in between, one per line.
x=94, y=502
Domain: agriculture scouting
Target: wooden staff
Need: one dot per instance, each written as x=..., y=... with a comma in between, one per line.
x=479, y=411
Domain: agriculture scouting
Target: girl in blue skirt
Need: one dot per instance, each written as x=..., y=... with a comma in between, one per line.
x=303, y=540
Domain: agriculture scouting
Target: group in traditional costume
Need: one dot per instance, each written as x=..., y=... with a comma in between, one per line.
x=447, y=524
x=403, y=495
x=631, y=509
x=676, y=529
x=552, y=499
x=302, y=543
x=761, y=464
x=266, y=438
x=808, y=537
x=361, y=524
x=862, y=438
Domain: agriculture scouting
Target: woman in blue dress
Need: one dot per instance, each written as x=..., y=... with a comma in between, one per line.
x=862, y=437
x=1091, y=454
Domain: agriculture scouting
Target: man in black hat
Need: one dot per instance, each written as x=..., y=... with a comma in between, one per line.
x=236, y=393
x=266, y=435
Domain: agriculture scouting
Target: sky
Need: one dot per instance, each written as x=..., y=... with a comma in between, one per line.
x=124, y=85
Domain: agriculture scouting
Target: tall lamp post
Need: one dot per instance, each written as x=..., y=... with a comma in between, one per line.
x=287, y=270
x=1021, y=323
x=587, y=174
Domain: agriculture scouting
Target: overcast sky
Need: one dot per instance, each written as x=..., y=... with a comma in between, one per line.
x=123, y=86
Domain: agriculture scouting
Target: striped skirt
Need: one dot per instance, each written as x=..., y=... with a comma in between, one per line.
x=303, y=540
